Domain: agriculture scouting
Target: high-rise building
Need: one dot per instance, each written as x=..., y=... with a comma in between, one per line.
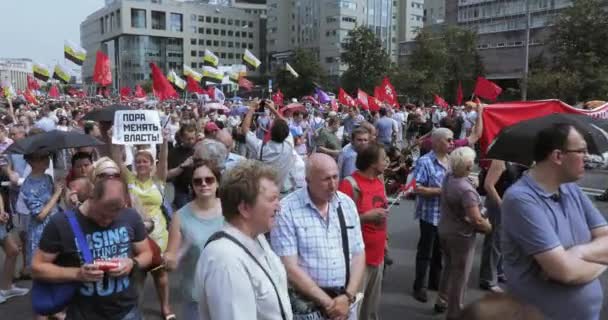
x=410, y=19
x=15, y=72
x=501, y=28
x=170, y=33
x=434, y=12
x=322, y=27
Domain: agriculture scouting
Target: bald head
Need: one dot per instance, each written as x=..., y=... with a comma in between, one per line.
x=225, y=138
x=319, y=162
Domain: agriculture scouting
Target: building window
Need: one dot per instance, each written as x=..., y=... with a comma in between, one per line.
x=118, y=18
x=230, y=33
x=250, y=24
x=208, y=43
x=223, y=32
x=201, y=65
x=159, y=20
x=208, y=19
x=230, y=55
x=230, y=44
x=223, y=55
x=138, y=18
x=237, y=44
x=216, y=43
x=101, y=26
x=208, y=31
x=216, y=32
x=223, y=21
x=201, y=53
x=201, y=42
x=251, y=35
x=230, y=22
x=251, y=46
x=216, y=20
x=237, y=33
x=237, y=22
x=176, y=23
x=201, y=18
x=243, y=23
x=193, y=42
x=201, y=30
x=349, y=19
x=223, y=44
x=193, y=65
x=193, y=53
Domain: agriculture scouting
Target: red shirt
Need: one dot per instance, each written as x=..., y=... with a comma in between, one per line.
x=371, y=195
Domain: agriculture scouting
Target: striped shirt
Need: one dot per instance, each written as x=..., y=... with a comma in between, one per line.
x=301, y=231
x=429, y=172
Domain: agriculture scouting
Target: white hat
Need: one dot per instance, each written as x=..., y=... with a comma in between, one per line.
x=294, y=100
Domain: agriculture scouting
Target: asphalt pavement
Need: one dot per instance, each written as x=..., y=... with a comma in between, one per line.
x=397, y=302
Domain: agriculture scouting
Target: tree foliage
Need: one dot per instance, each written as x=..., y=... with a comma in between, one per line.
x=311, y=74
x=438, y=62
x=579, y=43
x=366, y=59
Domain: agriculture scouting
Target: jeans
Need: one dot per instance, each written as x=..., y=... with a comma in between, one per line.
x=491, y=255
x=428, y=255
x=181, y=199
x=190, y=310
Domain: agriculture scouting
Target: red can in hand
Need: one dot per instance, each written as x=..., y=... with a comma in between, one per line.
x=107, y=264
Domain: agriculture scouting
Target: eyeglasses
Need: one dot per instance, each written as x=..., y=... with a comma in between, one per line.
x=104, y=175
x=199, y=181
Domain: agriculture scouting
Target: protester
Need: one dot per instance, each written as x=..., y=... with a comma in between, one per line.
x=429, y=173
x=327, y=141
x=372, y=207
x=233, y=159
x=180, y=164
x=461, y=217
x=325, y=274
x=11, y=251
x=57, y=260
x=386, y=129
x=146, y=188
x=238, y=275
x=348, y=156
x=554, y=242
x=191, y=227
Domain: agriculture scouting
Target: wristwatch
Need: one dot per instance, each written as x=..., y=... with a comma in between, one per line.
x=351, y=298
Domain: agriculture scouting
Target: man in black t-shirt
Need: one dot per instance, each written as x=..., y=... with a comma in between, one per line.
x=180, y=164
x=113, y=232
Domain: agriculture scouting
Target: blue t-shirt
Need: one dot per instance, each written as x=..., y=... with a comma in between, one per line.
x=384, y=126
x=532, y=223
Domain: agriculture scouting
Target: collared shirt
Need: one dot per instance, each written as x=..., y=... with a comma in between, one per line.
x=429, y=173
x=277, y=155
x=232, y=160
x=231, y=285
x=301, y=231
x=346, y=161
x=532, y=223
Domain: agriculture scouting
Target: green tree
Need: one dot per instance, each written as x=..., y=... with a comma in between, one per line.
x=366, y=59
x=438, y=62
x=579, y=43
x=310, y=72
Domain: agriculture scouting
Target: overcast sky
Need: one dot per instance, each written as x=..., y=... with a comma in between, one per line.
x=36, y=29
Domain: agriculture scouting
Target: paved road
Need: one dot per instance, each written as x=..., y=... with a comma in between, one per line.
x=397, y=302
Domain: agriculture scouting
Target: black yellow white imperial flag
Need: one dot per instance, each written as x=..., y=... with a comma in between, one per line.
x=74, y=52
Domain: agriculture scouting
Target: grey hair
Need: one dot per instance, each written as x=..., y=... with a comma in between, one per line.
x=460, y=159
x=441, y=133
x=213, y=151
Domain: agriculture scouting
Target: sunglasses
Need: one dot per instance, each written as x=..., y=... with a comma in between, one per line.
x=207, y=180
x=108, y=175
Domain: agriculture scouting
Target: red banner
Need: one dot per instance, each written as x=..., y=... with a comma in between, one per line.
x=501, y=115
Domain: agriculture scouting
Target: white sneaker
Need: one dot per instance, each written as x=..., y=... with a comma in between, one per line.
x=14, y=291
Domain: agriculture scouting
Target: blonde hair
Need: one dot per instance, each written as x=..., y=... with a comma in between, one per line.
x=460, y=160
x=101, y=166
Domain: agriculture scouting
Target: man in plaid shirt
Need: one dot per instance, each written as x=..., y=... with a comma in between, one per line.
x=429, y=172
x=308, y=238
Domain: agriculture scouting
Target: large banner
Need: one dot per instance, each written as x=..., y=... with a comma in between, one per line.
x=501, y=115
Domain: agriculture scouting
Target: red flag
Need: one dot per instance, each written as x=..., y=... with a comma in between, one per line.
x=374, y=103
x=345, y=99
x=459, y=95
x=439, y=101
x=278, y=98
x=245, y=83
x=54, y=92
x=139, y=92
x=487, y=89
x=408, y=188
x=378, y=92
x=193, y=86
x=125, y=92
x=32, y=84
x=162, y=88
x=362, y=98
x=29, y=96
x=103, y=72
x=388, y=93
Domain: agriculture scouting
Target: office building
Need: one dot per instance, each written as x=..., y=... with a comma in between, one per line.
x=410, y=19
x=434, y=12
x=15, y=72
x=322, y=27
x=170, y=33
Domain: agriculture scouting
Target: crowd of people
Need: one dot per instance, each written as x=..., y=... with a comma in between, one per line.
x=267, y=212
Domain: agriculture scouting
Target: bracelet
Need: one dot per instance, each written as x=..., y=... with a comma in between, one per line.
x=351, y=298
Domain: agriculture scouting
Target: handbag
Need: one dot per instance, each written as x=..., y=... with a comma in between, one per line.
x=49, y=298
x=157, y=258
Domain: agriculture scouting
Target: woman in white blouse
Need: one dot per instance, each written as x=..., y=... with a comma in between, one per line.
x=238, y=276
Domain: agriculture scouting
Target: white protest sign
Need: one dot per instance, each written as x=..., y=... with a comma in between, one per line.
x=137, y=127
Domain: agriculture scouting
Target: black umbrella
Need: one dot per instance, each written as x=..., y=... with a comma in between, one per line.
x=52, y=141
x=516, y=143
x=105, y=113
